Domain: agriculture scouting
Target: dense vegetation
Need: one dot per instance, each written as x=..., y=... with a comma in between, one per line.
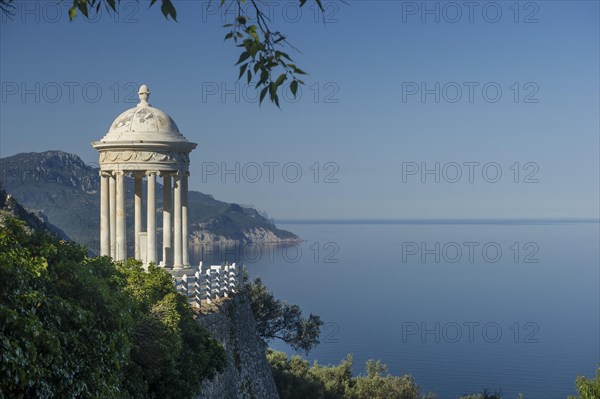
x=588, y=388
x=73, y=326
x=297, y=379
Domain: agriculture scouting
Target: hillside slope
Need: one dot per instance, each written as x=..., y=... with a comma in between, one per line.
x=61, y=187
x=10, y=208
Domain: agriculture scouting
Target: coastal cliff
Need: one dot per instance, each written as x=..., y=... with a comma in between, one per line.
x=248, y=374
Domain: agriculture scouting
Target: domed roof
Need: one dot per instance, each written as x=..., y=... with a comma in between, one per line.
x=144, y=123
x=144, y=138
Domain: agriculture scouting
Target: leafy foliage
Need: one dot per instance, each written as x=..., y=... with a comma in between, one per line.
x=262, y=55
x=378, y=384
x=64, y=321
x=73, y=326
x=277, y=319
x=295, y=379
x=588, y=388
x=86, y=7
x=169, y=349
x=7, y=7
x=486, y=395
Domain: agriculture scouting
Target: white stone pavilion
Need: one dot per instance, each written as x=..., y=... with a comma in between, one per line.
x=143, y=143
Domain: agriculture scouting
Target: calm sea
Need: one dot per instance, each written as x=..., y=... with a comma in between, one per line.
x=461, y=306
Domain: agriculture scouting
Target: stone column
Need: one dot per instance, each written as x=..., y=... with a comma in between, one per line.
x=112, y=188
x=121, y=251
x=177, y=222
x=138, y=215
x=151, y=219
x=184, y=220
x=167, y=209
x=104, y=215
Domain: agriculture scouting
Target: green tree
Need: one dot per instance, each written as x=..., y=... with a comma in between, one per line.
x=337, y=380
x=73, y=326
x=281, y=320
x=588, y=388
x=171, y=354
x=293, y=377
x=379, y=384
x=64, y=320
x=296, y=379
x=485, y=395
x=262, y=60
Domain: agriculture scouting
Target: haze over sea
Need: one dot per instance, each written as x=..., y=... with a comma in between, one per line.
x=459, y=305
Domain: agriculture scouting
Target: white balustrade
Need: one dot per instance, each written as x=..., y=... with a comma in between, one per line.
x=209, y=283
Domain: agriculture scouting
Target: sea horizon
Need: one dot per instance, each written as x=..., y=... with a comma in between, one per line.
x=439, y=221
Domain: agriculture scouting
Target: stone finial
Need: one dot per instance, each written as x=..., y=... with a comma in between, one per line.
x=144, y=94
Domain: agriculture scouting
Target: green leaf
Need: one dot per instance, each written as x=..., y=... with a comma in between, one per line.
x=251, y=30
x=275, y=99
x=253, y=49
x=284, y=55
x=72, y=13
x=243, y=57
x=242, y=69
x=249, y=76
x=264, y=76
x=272, y=90
x=83, y=8
x=263, y=93
x=264, y=73
x=168, y=10
x=299, y=71
x=112, y=4
x=228, y=36
x=294, y=87
x=320, y=5
x=280, y=79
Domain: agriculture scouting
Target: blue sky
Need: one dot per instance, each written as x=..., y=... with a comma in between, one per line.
x=361, y=120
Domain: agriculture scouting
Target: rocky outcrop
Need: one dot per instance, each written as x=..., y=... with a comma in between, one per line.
x=259, y=235
x=266, y=236
x=248, y=374
x=10, y=208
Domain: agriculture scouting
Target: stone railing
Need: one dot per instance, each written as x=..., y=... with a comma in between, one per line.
x=209, y=283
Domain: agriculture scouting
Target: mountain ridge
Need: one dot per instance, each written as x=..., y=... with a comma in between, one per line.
x=63, y=189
